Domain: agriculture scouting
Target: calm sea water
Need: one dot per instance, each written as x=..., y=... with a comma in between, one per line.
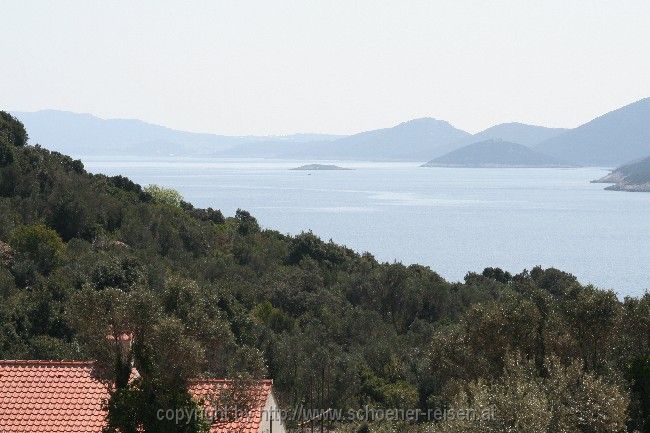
x=454, y=220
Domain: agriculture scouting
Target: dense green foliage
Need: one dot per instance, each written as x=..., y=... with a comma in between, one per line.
x=83, y=257
x=12, y=131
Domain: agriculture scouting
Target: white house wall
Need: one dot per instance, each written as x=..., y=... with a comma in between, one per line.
x=271, y=422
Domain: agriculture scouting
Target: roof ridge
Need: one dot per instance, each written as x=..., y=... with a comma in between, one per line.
x=76, y=362
x=58, y=362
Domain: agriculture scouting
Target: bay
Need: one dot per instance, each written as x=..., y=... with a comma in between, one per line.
x=453, y=220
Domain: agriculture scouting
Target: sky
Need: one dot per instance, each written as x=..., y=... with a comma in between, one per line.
x=332, y=66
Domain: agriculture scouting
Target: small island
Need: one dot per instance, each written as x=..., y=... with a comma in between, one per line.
x=311, y=167
x=634, y=177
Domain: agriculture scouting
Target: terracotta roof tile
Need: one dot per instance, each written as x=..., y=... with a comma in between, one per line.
x=65, y=397
x=51, y=396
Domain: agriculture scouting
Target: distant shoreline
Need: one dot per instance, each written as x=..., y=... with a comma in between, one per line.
x=494, y=166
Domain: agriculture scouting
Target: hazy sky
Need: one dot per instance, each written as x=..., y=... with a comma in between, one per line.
x=275, y=67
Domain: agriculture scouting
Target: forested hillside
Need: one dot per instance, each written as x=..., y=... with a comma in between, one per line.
x=84, y=256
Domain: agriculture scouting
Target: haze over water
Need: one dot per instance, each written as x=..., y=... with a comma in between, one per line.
x=454, y=220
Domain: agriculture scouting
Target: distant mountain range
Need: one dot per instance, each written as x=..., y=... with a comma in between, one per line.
x=415, y=140
x=615, y=138
x=630, y=177
x=612, y=139
x=79, y=134
x=494, y=153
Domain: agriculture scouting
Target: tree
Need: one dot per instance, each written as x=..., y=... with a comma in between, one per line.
x=497, y=274
x=569, y=400
x=6, y=154
x=247, y=224
x=38, y=243
x=124, y=330
x=165, y=196
x=12, y=130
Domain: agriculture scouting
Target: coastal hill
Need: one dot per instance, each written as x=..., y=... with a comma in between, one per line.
x=612, y=139
x=528, y=135
x=633, y=177
x=494, y=153
x=415, y=140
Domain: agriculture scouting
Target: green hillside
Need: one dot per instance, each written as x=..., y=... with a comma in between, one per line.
x=83, y=256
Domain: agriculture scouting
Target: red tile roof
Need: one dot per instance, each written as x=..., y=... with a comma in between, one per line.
x=220, y=392
x=51, y=397
x=64, y=396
